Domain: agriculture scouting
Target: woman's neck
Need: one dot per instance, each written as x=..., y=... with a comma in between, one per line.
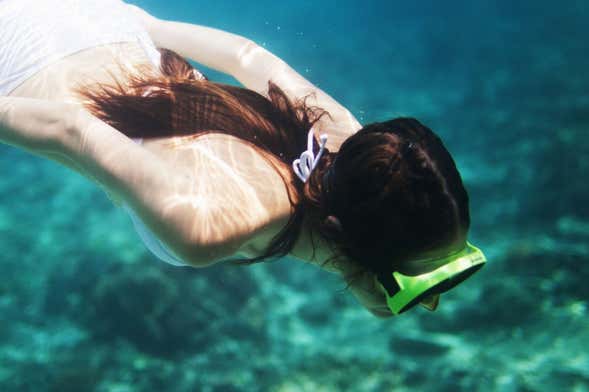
x=319, y=254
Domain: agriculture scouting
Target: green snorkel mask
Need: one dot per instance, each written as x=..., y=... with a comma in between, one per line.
x=403, y=292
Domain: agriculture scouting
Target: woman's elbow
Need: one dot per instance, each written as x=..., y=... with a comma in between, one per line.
x=199, y=253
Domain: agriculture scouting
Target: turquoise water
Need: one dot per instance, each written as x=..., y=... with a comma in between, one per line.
x=84, y=307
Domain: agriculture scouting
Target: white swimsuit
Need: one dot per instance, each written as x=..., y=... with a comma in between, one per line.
x=36, y=33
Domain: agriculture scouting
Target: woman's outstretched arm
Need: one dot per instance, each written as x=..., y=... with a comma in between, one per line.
x=165, y=198
x=249, y=63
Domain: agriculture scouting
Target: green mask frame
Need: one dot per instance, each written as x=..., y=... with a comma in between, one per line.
x=403, y=291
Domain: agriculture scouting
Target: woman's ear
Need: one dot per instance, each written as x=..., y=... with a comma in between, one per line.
x=333, y=227
x=333, y=223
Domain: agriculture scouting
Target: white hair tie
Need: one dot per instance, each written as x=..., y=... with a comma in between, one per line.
x=307, y=162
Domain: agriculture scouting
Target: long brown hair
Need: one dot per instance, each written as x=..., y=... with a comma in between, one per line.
x=393, y=185
x=180, y=101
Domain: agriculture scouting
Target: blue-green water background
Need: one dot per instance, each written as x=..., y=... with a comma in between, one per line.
x=83, y=305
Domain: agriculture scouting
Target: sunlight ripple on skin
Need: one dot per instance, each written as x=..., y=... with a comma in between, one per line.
x=56, y=80
x=220, y=177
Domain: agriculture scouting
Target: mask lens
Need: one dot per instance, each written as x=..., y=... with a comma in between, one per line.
x=442, y=287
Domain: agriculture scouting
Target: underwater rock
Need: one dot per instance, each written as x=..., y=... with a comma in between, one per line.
x=134, y=304
x=161, y=310
x=417, y=347
x=507, y=303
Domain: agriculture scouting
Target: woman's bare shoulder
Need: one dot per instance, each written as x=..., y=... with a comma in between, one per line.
x=241, y=196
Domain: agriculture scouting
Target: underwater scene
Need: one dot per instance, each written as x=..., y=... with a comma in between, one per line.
x=84, y=306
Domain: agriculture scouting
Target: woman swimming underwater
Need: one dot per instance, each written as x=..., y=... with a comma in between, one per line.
x=210, y=172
